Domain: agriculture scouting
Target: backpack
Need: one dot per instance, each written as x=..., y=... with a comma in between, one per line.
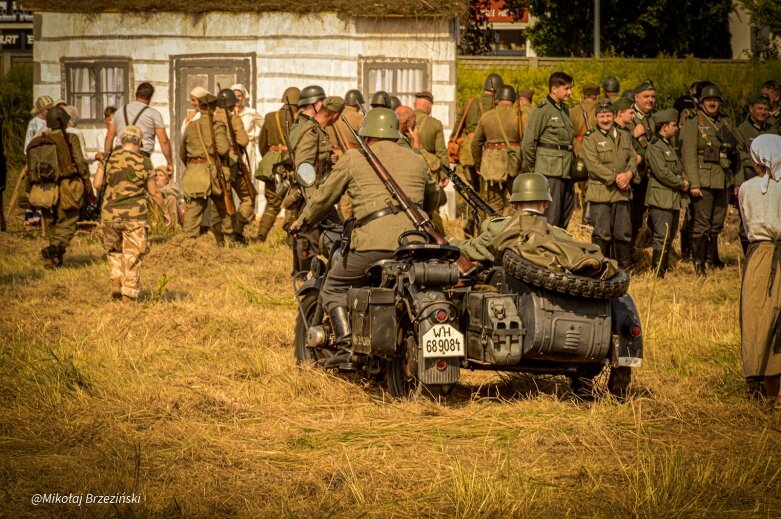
x=43, y=160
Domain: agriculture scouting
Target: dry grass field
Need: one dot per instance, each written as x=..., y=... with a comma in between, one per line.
x=192, y=400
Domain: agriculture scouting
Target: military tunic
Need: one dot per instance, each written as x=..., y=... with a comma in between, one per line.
x=377, y=238
x=608, y=153
x=584, y=118
x=200, y=182
x=245, y=212
x=272, y=138
x=547, y=149
x=478, y=106
x=640, y=145
x=124, y=218
x=490, y=151
x=432, y=140
x=664, y=196
x=712, y=178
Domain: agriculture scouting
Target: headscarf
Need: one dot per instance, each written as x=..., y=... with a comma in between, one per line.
x=241, y=88
x=766, y=150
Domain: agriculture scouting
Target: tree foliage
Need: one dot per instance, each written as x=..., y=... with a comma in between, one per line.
x=642, y=28
x=476, y=32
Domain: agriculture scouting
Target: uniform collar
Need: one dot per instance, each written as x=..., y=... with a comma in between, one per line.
x=305, y=117
x=554, y=102
x=663, y=139
x=711, y=117
x=606, y=133
x=760, y=127
x=639, y=113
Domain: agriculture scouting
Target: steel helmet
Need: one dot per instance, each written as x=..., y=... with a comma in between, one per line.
x=381, y=99
x=530, y=187
x=381, y=123
x=226, y=98
x=711, y=91
x=353, y=98
x=57, y=118
x=493, y=82
x=395, y=102
x=506, y=93
x=291, y=96
x=310, y=95
x=611, y=84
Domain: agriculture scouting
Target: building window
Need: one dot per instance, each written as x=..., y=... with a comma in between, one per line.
x=93, y=86
x=400, y=78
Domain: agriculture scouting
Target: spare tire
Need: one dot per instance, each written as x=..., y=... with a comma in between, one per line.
x=563, y=282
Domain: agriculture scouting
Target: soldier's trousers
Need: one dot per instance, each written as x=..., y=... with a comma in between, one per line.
x=245, y=212
x=710, y=210
x=273, y=206
x=497, y=194
x=612, y=227
x=60, y=224
x=345, y=274
x=194, y=215
x=560, y=208
x=126, y=244
x=665, y=226
x=638, y=206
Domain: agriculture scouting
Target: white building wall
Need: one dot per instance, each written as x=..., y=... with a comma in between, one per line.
x=290, y=49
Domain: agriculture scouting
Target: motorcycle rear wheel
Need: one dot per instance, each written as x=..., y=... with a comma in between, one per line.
x=304, y=355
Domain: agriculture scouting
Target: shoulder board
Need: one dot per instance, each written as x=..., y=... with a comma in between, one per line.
x=654, y=139
x=541, y=104
x=589, y=132
x=497, y=219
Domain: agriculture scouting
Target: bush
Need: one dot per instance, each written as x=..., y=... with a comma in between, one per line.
x=16, y=93
x=738, y=80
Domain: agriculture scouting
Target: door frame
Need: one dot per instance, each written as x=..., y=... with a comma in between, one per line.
x=176, y=61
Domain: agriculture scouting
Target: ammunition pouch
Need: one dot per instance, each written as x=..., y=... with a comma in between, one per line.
x=196, y=181
x=710, y=155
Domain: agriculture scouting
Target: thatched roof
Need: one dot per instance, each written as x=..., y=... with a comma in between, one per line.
x=367, y=8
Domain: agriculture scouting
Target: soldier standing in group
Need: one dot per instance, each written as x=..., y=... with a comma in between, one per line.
x=755, y=125
x=253, y=124
x=584, y=119
x=547, y=147
x=340, y=135
x=245, y=212
x=498, y=133
x=273, y=138
x=129, y=176
x=205, y=140
x=612, y=88
x=707, y=141
x=432, y=146
x=625, y=116
x=378, y=226
x=642, y=129
x=667, y=188
x=611, y=164
x=772, y=89
x=57, y=178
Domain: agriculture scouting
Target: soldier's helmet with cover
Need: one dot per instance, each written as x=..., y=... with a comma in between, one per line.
x=310, y=95
x=380, y=99
x=711, y=92
x=226, y=98
x=381, y=123
x=506, y=93
x=57, y=118
x=493, y=82
x=132, y=134
x=611, y=84
x=291, y=96
x=530, y=187
x=353, y=98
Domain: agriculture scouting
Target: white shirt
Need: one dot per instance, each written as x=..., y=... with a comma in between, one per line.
x=761, y=212
x=34, y=128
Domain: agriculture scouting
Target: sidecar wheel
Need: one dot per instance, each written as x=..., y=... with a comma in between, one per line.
x=400, y=375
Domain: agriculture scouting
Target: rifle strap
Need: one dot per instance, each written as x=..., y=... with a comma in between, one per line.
x=585, y=116
x=501, y=128
x=460, y=127
x=279, y=127
x=203, y=145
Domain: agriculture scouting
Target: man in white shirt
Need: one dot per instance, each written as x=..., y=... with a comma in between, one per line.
x=38, y=122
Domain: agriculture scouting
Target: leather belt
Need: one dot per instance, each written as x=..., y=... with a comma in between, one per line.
x=500, y=145
x=560, y=147
x=722, y=155
x=200, y=160
x=385, y=211
x=278, y=147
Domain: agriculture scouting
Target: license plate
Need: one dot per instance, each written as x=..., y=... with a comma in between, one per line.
x=443, y=340
x=630, y=362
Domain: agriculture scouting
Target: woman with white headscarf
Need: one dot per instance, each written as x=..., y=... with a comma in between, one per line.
x=760, y=299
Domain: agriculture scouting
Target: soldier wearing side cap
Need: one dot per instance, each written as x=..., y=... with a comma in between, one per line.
x=432, y=146
x=667, y=189
x=708, y=150
x=547, y=147
x=642, y=130
x=273, y=138
x=379, y=219
x=496, y=137
x=756, y=124
x=612, y=168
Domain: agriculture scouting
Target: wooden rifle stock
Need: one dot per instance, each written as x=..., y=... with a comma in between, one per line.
x=241, y=153
x=227, y=194
x=419, y=218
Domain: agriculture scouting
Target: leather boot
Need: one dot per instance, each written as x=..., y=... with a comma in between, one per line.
x=623, y=250
x=48, y=254
x=340, y=322
x=265, y=225
x=713, y=259
x=238, y=238
x=699, y=250
x=656, y=264
x=59, y=253
x=686, y=243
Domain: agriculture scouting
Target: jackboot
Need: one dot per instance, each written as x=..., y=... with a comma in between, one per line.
x=623, y=253
x=713, y=259
x=238, y=238
x=686, y=243
x=48, y=254
x=59, y=253
x=265, y=225
x=699, y=251
x=340, y=322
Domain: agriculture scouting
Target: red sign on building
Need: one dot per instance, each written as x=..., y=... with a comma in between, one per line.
x=498, y=14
